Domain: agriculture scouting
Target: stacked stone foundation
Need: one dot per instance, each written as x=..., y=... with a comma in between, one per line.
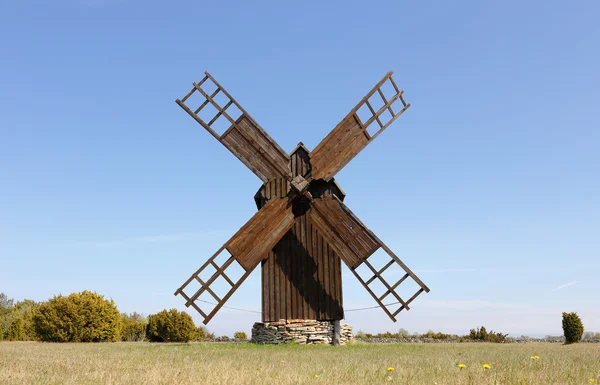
x=299, y=331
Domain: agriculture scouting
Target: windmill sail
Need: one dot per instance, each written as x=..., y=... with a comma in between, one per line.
x=355, y=243
x=350, y=136
x=247, y=140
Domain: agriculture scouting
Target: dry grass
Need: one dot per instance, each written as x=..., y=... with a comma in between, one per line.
x=143, y=363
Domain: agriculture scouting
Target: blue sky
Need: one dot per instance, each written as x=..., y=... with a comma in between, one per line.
x=488, y=187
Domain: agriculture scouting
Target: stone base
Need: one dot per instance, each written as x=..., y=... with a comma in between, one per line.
x=299, y=331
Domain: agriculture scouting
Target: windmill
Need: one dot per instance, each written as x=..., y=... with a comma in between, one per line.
x=302, y=230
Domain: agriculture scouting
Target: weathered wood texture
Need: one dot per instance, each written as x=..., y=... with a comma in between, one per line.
x=247, y=140
x=301, y=278
x=252, y=242
x=355, y=243
x=350, y=136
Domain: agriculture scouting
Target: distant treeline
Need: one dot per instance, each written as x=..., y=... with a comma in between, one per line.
x=89, y=317
x=478, y=334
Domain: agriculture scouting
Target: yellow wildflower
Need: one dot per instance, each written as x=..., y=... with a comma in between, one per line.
x=282, y=361
x=535, y=357
x=486, y=366
x=592, y=380
x=461, y=366
x=316, y=376
x=390, y=369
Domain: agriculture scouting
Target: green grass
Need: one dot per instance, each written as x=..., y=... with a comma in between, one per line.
x=144, y=363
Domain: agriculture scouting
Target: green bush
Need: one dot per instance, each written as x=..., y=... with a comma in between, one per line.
x=79, y=317
x=240, y=336
x=16, y=319
x=134, y=327
x=171, y=326
x=572, y=327
x=481, y=334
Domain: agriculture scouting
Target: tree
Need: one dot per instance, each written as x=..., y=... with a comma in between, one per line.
x=79, y=317
x=171, y=326
x=134, y=327
x=572, y=327
x=403, y=333
x=6, y=306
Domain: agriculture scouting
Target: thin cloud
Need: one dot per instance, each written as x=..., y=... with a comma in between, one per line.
x=565, y=285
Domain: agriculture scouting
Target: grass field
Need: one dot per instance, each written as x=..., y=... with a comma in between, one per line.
x=204, y=363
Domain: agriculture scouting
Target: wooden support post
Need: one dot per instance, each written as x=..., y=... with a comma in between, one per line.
x=336, y=332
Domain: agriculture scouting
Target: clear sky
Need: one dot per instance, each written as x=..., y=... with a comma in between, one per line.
x=488, y=187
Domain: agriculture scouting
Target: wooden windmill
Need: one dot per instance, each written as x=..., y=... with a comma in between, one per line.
x=302, y=230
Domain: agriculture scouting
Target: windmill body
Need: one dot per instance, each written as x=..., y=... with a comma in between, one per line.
x=302, y=231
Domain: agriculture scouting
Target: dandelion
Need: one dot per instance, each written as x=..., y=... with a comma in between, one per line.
x=486, y=366
x=535, y=357
x=461, y=366
x=592, y=380
x=316, y=376
x=390, y=369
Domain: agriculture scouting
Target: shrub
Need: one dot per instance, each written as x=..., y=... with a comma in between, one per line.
x=79, y=317
x=134, y=327
x=240, y=336
x=598, y=336
x=481, y=334
x=171, y=326
x=572, y=327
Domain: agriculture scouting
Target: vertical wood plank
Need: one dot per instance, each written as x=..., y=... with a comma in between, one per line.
x=326, y=281
x=273, y=287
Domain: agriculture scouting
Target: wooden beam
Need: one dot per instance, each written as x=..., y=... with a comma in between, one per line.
x=220, y=113
x=197, y=119
x=385, y=101
x=394, y=287
x=379, y=111
x=386, y=284
x=385, y=309
x=390, y=263
x=193, y=89
x=206, y=101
